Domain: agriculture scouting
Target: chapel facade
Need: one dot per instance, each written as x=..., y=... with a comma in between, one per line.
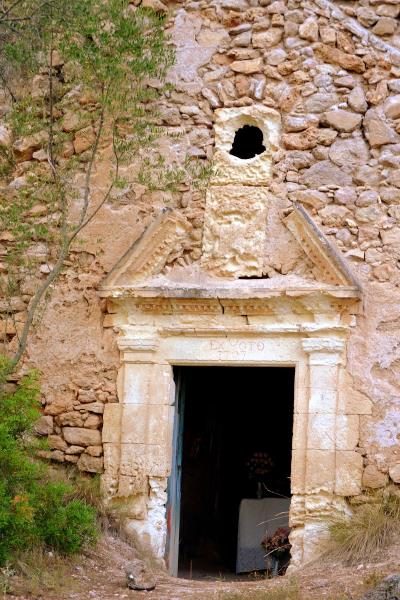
x=289, y=261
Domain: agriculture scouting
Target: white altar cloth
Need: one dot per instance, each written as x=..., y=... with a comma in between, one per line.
x=256, y=519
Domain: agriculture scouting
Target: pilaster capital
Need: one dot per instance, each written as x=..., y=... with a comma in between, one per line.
x=331, y=345
x=324, y=351
x=138, y=339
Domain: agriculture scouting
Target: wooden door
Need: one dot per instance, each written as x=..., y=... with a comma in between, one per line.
x=174, y=481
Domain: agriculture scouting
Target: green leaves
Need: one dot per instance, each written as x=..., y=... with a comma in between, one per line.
x=34, y=509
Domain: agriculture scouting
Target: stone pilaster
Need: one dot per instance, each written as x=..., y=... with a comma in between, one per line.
x=137, y=438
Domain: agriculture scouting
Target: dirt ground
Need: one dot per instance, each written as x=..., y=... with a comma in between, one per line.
x=99, y=574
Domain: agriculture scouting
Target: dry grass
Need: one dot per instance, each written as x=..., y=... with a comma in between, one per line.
x=369, y=530
x=37, y=571
x=287, y=591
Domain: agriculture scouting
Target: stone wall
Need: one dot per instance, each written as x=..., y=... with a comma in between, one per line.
x=332, y=71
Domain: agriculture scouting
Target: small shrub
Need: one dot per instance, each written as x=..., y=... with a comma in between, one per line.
x=64, y=525
x=369, y=530
x=34, y=509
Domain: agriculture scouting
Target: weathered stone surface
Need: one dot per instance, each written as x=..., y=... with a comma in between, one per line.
x=44, y=426
x=267, y=39
x=388, y=589
x=342, y=120
x=308, y=139
x=391, y=236
x=81, y=437
x=337, y=57
x=309, y=29
x=84, y=139
x=373, y=478
x=325, y=173
x=357, y=101
x=247, y=66
x=222, y=254
x=93, y=422
x=94, y=450
x=392, y=107
x=349, y=153
x=377, y=131
x=95, y=407
x=70, y=418
x=5, y=136
x=319, y=102
x=56, y=442
x=138, y=577
x=92, y=464
x=25, y=147
x=394, y=473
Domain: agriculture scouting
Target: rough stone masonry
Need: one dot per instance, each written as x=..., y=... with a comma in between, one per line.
x=330, y=72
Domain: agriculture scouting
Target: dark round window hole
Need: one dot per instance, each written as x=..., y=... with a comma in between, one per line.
x=248, y=142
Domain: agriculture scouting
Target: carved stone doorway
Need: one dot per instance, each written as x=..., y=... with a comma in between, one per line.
x=232, y=466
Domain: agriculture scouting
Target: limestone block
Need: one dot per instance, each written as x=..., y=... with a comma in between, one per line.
x=322, y=400
x=321, y=432
x=137, y=423
x=231, y=169
x=112, y=423
x=315, y=538
x=296, y=552
x=343, y=120
x=347, y=431
x=147, y=384
x=373, y=478
x=320, y=471
x=351, y=401
x=235, y=230
x=300, y=426
x=152, y=460
x=44, y=425
x=394, y=472
x=247, y=67
x=112, y=453
x=132, y=485
x=349, y=465
x=335, y=56
x=297, y=511
x=93, y=464
x=78, y=436
x=298, y=471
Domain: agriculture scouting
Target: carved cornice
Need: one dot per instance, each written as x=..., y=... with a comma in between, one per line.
x=148, y=255
x=321, y=253
x=275, y=305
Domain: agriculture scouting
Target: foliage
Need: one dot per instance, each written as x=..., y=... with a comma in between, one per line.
x=104, y=64
x=34, y=510
x=370, y=529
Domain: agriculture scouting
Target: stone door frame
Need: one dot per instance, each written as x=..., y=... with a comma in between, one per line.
x=137, y=432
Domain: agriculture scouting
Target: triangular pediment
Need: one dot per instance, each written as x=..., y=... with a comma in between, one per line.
x=145, y=262
x=328, y=263
x=148, y=255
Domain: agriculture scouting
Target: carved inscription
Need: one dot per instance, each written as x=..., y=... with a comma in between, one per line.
x=235, y=348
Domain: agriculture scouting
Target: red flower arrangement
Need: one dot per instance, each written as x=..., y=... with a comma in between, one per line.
x=278, y=543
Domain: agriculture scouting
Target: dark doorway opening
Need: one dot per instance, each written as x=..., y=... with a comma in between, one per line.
x=248, y=142
x=236, y=442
